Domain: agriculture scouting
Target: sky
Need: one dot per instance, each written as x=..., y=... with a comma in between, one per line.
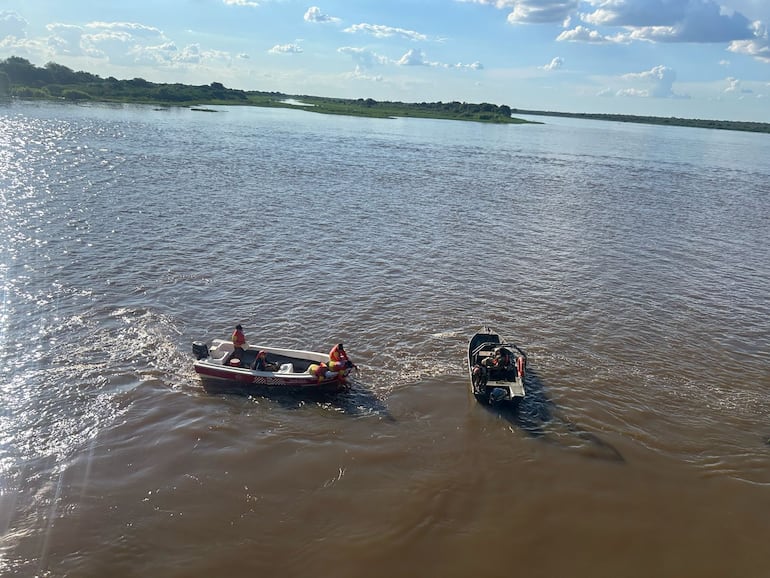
x=707, y=59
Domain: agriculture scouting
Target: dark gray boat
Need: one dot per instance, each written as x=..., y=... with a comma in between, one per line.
x=496, y=369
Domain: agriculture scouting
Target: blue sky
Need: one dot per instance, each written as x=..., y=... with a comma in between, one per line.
x=683, y=58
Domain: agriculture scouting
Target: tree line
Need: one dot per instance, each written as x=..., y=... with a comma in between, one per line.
x=20, y=78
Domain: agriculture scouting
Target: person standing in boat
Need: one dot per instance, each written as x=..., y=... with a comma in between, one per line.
x=239, y=343
x=239, y=340
x=338, y=358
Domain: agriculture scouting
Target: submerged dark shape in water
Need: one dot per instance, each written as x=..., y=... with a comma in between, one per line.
x=536, y=414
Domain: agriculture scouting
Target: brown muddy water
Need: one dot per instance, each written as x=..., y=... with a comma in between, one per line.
x=630, y=262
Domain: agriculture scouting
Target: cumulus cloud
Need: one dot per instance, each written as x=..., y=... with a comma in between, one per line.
x=581, y=34
x=696, y=21
x=363, y=56
x=360, y=74
x=366, y=58
x=12, y=26
x=314, y=14
x=286, y=49
x=414, y=58
x=118, y=42
x=67, y=39
x=555, y=64
x=128, y=44
x=656, y=83
x=686, y=20
x=533, y=11
x=381, y=31
x=540, y=11
x=734, y=86
x=758, y=47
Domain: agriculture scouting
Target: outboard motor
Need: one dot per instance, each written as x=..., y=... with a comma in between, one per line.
x=200, y=350
x=497, y=395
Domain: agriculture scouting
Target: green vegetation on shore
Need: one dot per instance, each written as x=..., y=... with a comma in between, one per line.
x=19, y=78
x=670, y=121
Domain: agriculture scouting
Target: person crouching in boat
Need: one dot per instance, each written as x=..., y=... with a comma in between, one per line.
x=261, y=363
x=499, y=360
x=318, y=370
x=338, y=359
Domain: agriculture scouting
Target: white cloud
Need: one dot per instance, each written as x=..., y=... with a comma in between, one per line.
x=734, y=85
x=380, y=31
x=758, y=47
x=696, y=21
x=581, y=34
x=359, y=74
x=702, y=21
x=533, y=11
x=555, y=64
x=472, y=66
x=414, y=58
x=540, y=11
x=67, y=39
x=285, y=49
x=12, y=25
x=657, y=83
x=117, y=42
x=633, y=92
x=314, y=14
x=363, y=56
x=247, y=3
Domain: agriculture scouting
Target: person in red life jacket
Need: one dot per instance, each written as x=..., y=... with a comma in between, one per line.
x=500, y=360
x=338, y=358
x=318, y=370
x=261, y=363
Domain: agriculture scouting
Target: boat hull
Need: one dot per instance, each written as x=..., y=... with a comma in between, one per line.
x=298, y=370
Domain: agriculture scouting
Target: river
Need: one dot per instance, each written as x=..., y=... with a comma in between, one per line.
x=631, y=262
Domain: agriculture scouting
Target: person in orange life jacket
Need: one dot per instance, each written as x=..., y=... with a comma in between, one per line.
x=239, y=342
x=338, y=358
x=499, y=360
x=239, y=339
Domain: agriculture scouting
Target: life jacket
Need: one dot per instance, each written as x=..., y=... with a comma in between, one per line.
x=318, y=370
x=338, y=359
x=337, y=354
x=239, y=339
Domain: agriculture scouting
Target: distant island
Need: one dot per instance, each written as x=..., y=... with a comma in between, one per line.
x=21, y=79
x=670, y=121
